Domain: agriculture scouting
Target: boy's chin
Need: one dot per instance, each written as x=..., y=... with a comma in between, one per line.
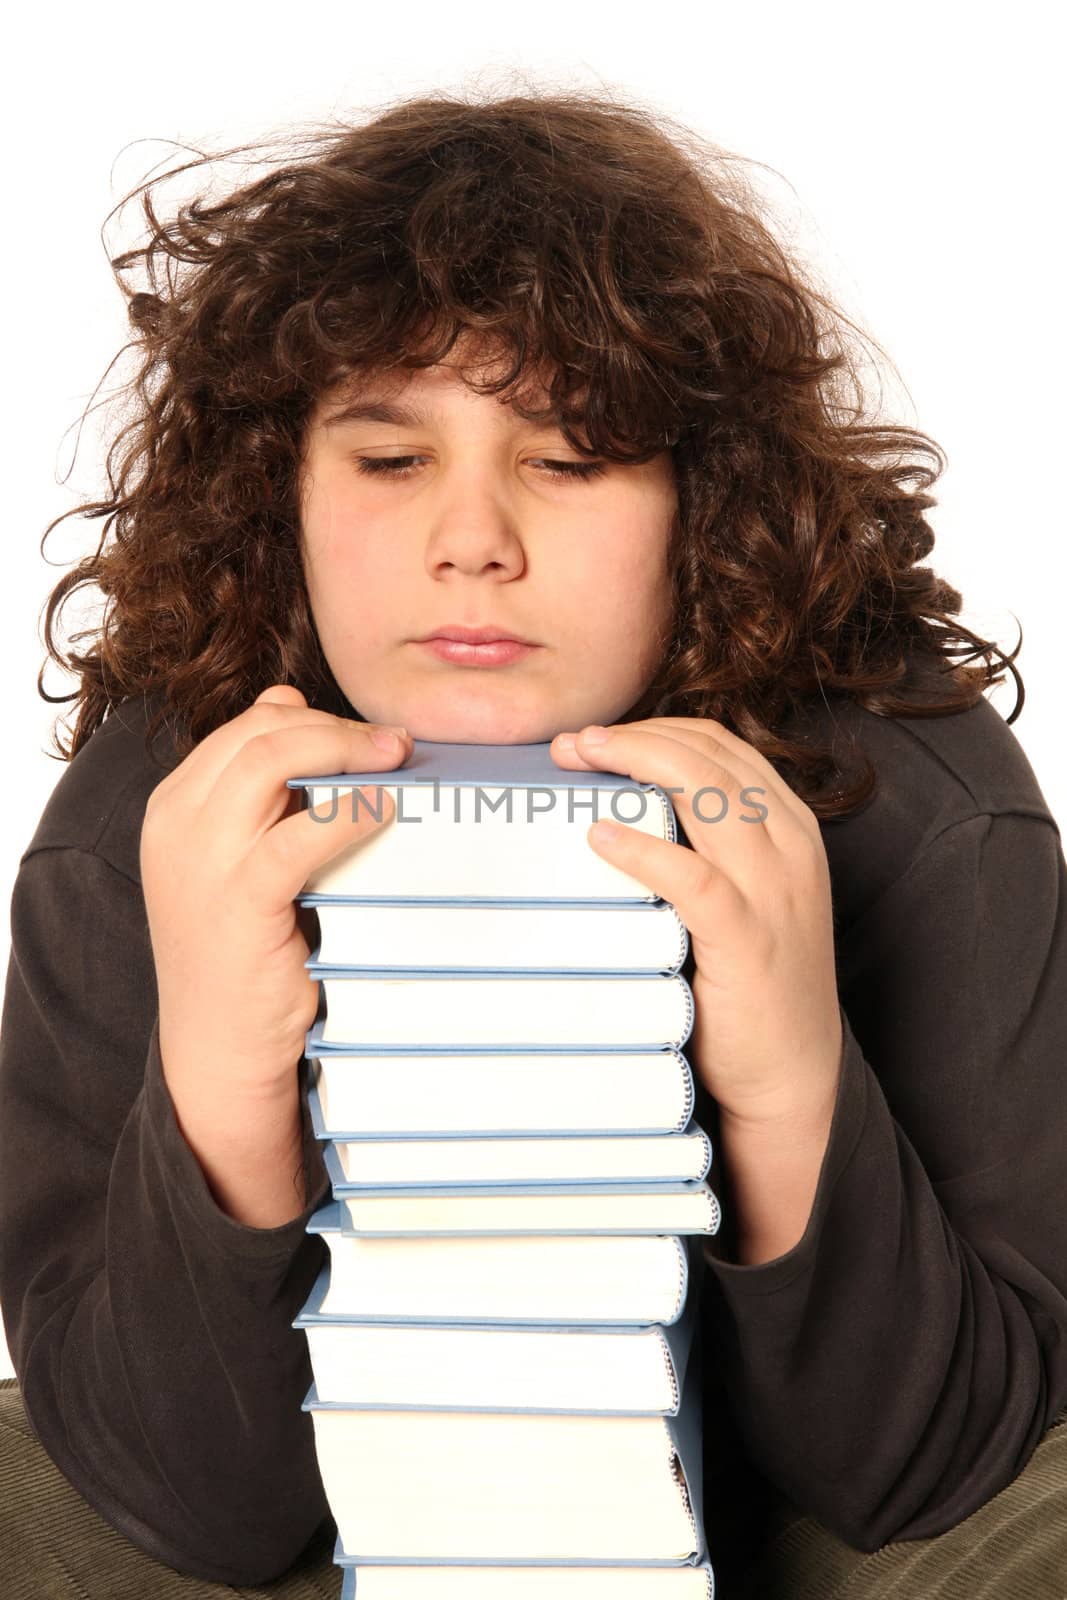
x=485, y=722
x=531, y=730
x=459, y=732
x=477, y=723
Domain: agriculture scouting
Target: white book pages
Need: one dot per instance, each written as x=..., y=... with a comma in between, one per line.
x=526, y=1279
x=468, y=1012
x=513, y=1369
x=498, y=1093
x=435, y=1582
x=533, y=846
x=456, y=1484
x=629, y=937
x=679, y=1156
x=642, y=1211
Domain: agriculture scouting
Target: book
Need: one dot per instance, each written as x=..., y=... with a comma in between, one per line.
x=448, y=1092
x=493, y=1366
x=515, y=937
x=470, y=1487
x=535, y=1278
x=629, y=1208
x=496, y=1011
x=476, y=822
x=432, y=1581
x=623, y=1210
x=422, y=1163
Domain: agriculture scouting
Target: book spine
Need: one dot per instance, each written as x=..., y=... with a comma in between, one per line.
x=672, y=1375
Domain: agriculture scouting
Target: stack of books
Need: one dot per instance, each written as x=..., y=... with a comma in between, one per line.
x=506, y=1395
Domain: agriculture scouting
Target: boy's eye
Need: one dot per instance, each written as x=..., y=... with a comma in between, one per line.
x=397, y=467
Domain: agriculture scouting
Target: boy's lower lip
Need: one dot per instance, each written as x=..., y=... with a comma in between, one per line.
x=497, y=653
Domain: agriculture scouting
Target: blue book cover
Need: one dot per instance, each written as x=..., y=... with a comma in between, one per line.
x=527, y=766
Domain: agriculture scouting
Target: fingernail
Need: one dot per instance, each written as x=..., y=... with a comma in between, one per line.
x=385, y=740
x=565, y=741
x=594, y=734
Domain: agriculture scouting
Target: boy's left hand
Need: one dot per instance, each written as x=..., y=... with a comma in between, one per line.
x=754, y=893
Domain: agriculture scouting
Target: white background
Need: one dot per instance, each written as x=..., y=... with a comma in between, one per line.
x=918, y=163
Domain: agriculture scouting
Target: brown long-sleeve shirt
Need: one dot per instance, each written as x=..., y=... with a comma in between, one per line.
x=890, y=1373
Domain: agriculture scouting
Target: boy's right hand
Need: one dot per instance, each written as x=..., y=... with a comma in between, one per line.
x=225, y=848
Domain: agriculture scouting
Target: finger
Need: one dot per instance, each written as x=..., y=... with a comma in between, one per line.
x=745, y=751
x=285, y=694
x=703, y=729
x=280, y=694
x=723, y=807
x=286, y=855
x=275, y=709
x=251, y=794
x=706, y=897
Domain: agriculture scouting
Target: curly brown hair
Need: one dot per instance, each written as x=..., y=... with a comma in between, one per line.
x=599, y=245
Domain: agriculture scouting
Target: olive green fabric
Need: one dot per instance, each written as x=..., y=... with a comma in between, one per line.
x=55, y=1547
x=1013, y=1548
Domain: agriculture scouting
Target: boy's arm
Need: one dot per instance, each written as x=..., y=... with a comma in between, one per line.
x=899, y=1364
x=150, y=1330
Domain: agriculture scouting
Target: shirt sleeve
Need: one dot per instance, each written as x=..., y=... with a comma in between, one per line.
x=898, y=1366
x=150, y=1331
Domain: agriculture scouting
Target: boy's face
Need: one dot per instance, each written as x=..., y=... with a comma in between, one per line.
x=476, y=533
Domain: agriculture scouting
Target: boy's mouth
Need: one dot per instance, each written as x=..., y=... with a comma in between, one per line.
x=489, y=634
x=495, y=652
x=487, y=646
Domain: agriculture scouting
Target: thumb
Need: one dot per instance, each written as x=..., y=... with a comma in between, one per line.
x=280, y=694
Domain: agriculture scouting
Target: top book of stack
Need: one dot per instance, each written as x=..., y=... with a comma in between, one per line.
x=477, y=823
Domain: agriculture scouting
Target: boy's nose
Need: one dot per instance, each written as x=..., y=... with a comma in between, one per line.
x=475, y=538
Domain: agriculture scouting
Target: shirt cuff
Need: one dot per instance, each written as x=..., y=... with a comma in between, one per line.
x=188, y=1188
x=846, y=1127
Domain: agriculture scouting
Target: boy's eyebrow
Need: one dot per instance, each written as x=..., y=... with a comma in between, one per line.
x=377, y=411
x=400, y=416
